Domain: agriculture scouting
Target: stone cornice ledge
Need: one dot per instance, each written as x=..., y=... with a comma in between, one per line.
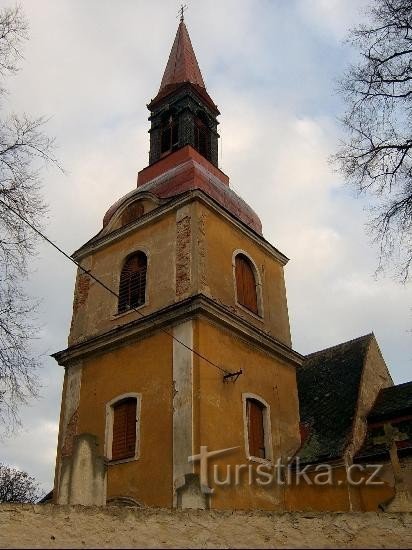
x=190, y=308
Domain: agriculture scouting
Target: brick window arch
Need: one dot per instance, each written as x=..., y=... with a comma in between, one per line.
x=246, y=292
x=132, y=287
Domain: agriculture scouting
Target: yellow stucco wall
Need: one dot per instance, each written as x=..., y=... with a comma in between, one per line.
x=190, y=250
x=221, y=240
x=221, y=415
x=98, y=312
x=143, y=367
x=339, y=496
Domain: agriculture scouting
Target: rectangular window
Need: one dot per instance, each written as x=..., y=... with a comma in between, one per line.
x=256, y=429
x=124, y=429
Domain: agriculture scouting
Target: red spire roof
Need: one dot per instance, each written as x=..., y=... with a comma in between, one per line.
x=182, y=69
x=182, y=65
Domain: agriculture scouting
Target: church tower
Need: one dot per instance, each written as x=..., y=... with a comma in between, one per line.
x=180, y=334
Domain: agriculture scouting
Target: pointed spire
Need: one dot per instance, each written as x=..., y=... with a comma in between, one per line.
x=182, y=65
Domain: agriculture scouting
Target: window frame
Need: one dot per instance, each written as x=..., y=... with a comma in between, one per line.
x=267, y=429
x=258, y=285
x=108, y=440
x=146, y=295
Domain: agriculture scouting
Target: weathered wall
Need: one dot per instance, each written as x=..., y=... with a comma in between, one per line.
x=143, y=367
x=375, y=376
x=47, y=526
x=219, y=241
x=221, y=421
x=94, y=309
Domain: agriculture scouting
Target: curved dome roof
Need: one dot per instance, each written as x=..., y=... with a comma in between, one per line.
x=187, y=176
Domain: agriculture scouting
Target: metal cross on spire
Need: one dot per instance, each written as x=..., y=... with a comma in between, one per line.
x=182, y=9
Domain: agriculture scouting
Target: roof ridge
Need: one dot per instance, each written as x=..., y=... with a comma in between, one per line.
x=365, y=337
x=397, y=385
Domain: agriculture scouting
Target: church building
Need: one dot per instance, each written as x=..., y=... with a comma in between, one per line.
x=180, y=345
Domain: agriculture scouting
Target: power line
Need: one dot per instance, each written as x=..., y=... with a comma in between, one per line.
x=102, y=284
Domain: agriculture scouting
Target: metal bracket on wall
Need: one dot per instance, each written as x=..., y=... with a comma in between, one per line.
x=232, y=376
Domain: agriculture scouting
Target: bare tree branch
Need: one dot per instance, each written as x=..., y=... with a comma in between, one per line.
x=24, y=150
x=376, y=156
x=18, y=486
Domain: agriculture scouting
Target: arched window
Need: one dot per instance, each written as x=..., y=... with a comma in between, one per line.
x=132, y=288
x=132, y=212
x=256, y=428
x=124, y=429
x=246, y=283
x=122, y=438
x=202, y=136
x=169, y=133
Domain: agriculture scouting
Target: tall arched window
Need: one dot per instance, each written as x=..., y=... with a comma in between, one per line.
x=258, y=432
x=255, y=411
x=202, y=136
x=169, y=133
x=122, y=438
x=246, y=283
x=132, y=288
x=124, y=429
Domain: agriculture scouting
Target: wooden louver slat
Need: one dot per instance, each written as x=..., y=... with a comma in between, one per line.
x=124, y=429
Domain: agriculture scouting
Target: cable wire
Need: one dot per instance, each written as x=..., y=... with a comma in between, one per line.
x=102, y=284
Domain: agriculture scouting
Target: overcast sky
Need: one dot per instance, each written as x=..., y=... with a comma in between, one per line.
x=270, y=65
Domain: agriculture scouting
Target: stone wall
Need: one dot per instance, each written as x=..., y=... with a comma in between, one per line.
x=49, y=526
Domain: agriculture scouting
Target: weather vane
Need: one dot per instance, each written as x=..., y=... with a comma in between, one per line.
x=182, y=10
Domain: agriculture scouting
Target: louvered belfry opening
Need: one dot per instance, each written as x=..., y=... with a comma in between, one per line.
x=124, y=429
x=256, y=430
x=202, y=137
x=246, y=283
x=182, y=113
x=169, y=134
x=132, y=288
x=132, y=212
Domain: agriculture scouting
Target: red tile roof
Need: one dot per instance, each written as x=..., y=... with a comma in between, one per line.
x=182, y=65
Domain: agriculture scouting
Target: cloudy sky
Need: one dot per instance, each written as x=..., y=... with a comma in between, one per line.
x=271, y=66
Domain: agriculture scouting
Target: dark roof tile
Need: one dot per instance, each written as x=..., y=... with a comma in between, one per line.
x=328, y=385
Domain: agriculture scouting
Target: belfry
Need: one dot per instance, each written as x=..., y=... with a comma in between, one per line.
x=189, y=350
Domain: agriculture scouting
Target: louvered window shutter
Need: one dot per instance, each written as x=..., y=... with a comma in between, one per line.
x=124, y=429
x=132, y=212
x=132, y=288
x=245, y=283
x=256, y=430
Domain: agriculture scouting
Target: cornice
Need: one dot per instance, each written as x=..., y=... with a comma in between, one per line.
x=98, y=243
x=195, y=307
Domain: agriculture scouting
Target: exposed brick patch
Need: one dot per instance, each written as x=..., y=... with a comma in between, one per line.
x=82, y=291
x=71, y=431
x=183, y=242
x=201, y=246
